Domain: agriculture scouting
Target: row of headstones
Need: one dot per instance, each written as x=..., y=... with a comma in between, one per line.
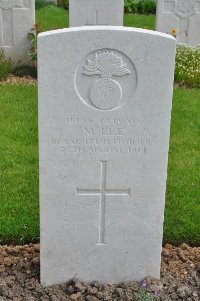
x=17, y=17
x=180, y=18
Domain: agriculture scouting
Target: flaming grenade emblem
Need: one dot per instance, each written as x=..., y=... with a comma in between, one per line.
x=105, y=93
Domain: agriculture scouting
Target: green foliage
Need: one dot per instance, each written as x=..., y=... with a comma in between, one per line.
x=52, y=17
x=144, y=296
x=187, y=70
x=32, y=37
x=63, y=3
x=5, y=66
x=140, y=21
x=24, y=70
x=39, y=4
x=130, y=6
x=140, y=6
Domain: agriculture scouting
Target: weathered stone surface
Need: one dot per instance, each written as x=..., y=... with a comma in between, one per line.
x=17, y=18
x=104, y=119
x=96, y=12
x=180, y=17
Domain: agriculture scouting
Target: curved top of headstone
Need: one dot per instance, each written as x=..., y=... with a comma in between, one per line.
x=107, y=29
x=106, y=60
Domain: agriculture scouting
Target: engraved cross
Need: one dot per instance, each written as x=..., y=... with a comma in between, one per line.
x=96, y=20
x=102, y=193
x=6, y=21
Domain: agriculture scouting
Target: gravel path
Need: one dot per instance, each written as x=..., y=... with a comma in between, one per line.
x=11, y=79
x=19, y=279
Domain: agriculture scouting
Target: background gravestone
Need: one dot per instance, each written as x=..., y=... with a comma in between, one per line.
x=96, y=12
x=181, y=15
x=17, y=18
x=104, y=136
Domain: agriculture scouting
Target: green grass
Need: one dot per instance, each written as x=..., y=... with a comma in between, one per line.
x=182, y=215
x=52, y=17
x=19, y=219
x=140, y=21
x=19, y=212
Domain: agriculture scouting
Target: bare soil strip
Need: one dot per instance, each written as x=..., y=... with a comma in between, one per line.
x=20, y=269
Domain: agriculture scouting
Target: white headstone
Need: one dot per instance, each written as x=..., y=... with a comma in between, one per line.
x=181, y=17
x=96, y=12
x=17, y=18
x=104, y=119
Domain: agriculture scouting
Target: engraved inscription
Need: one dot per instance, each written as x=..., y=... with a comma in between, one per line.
x=104, y=135
x=106, y=79
x=102, y=192
x=106, y=121
x=128, y=146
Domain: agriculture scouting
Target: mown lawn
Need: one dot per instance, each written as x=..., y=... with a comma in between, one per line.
x=140, y=21
x=52, y=17
x=19, y=219
x=182, y=215
x=19, y=206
